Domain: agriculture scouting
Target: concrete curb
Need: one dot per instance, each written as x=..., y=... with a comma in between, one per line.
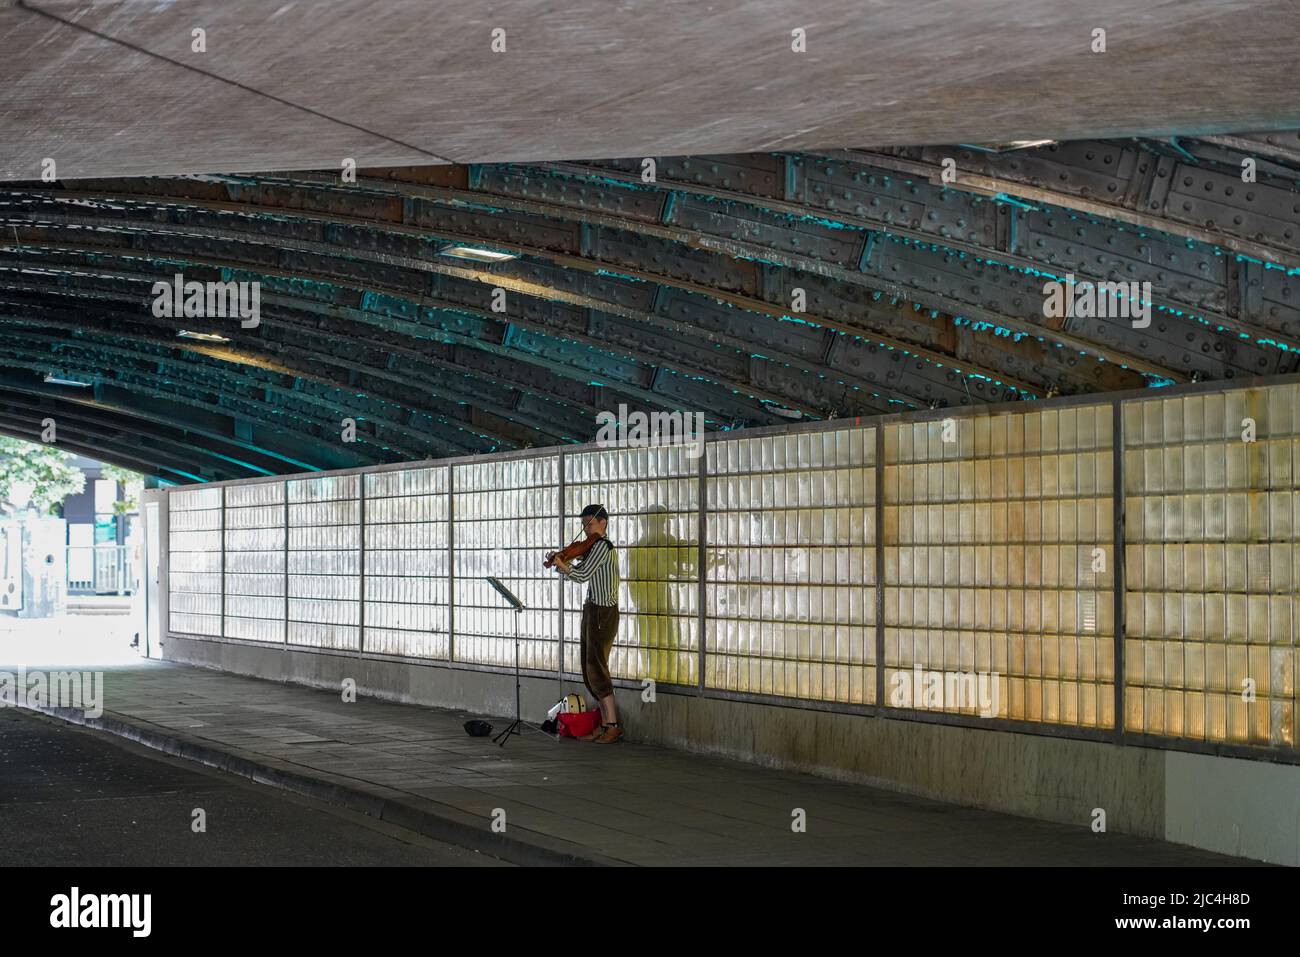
x=447, y=824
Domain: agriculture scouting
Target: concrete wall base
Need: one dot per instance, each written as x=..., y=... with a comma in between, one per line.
x=1229, y=805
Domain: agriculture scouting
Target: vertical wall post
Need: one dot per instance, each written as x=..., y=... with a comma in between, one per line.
x=880, y=565
x=1117, y=480
x=164, y=596
x=451, y=563
x=285, y=640
x=221, y=579
x=559, y=579
x=702, y=558
x=361, y=604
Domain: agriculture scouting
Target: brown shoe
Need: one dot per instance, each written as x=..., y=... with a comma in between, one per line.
x=609, y=734
x=593, y=734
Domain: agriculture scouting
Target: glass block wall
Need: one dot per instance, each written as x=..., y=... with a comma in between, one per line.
x=325, y=562
x=1212, y=505
x=255, y=561
x=652, y=496
x=407, y=589
x=507, y=516
x=999, y=565
x=982, y=576
x=194, y=561
x=791, y=531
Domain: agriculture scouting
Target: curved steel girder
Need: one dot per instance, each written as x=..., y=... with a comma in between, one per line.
x=693, y=189
x=93, y=449
x=151, y=420
x=1007, y=184
x=1268, y=349
x=269, y=359
x=1212, y=156
x=577, y=418
x=104, y=450
x=456, y=198
x=453, y=443
x=108, y=420
x=930, y=173
x=903, y=290
x=318, y=310
x=56, y=359
x=613, y=391
x=89, y=368
x=360, y=286
x=533, y=290
x=150, y=452
x=527, y=288
x=594, y=267
x=25, y=411
x=589, y=264
x=649, y=398
x=1227, y=330
x=419, y=332
x=1283, y=146
x=440, y=434
x=728, y=247
x=695, y=240
x=315, y=309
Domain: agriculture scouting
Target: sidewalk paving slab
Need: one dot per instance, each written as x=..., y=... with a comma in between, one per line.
x=568, y=802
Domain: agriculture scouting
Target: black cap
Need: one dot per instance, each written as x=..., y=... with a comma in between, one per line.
x=594, y=510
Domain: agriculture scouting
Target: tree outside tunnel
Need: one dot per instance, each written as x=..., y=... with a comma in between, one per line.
x=68, y=543
x=39, y=475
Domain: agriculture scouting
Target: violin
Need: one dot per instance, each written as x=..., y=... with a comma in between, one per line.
x=575, y=549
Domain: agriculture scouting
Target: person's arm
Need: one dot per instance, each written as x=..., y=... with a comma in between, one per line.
x=588, y=566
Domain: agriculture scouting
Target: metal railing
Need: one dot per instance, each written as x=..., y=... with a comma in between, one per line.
x=105, y=569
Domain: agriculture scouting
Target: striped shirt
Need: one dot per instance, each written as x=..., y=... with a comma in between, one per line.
x=599, y=569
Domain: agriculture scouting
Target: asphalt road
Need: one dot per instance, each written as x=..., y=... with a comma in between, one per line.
x=74, y=797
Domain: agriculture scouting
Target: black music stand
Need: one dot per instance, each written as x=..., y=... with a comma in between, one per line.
x=516, y=726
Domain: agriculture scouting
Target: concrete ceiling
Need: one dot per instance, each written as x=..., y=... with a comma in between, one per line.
x=672, y=295
x=776, y=171
x=115, y=89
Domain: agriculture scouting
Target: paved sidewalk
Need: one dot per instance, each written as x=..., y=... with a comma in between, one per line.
x=567, y=801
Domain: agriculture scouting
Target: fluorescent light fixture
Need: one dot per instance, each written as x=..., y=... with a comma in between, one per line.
x=56, y=380
x=202, y=336
x=477, y=254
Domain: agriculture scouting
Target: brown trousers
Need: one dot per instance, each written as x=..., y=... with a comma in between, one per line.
x=599, y=629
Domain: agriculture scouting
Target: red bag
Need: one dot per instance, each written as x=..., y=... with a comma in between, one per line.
x=576, y=725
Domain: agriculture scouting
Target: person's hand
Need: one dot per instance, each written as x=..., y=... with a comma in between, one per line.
x=561, y=566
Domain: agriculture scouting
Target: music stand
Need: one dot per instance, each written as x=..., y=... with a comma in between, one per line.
x=516, y=726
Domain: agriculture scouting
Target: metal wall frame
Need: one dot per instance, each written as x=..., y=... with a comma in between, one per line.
x=1118, y=734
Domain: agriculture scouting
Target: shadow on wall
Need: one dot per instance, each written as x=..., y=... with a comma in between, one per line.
x=660, y=564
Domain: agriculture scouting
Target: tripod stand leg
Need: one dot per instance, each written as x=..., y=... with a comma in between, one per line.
x=512, y=728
